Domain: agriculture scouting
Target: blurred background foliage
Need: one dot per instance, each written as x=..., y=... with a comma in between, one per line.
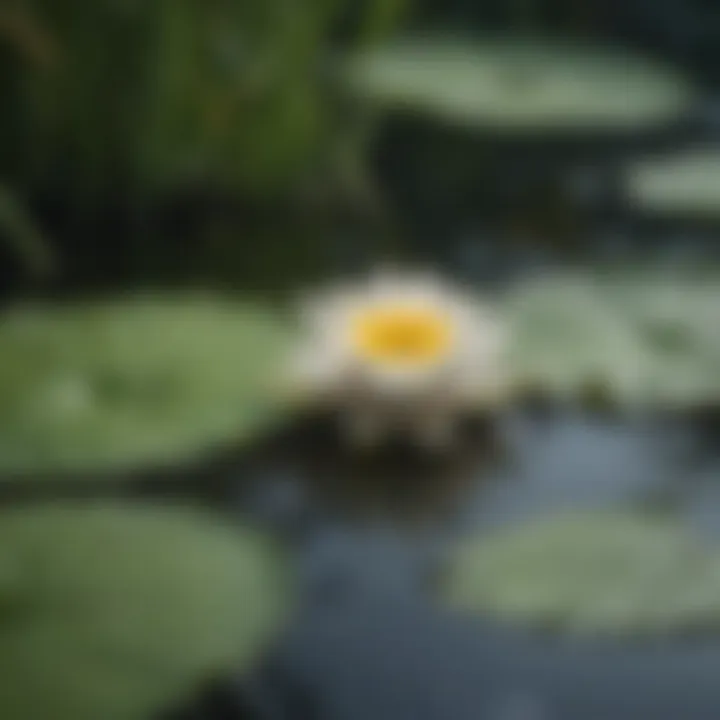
x=148, y=141
x=122, y=109
x=164, y=93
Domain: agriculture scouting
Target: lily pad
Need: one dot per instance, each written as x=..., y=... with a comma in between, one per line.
x=567, y=339
x=515, y=85
x=599, y=574
x=121, y=611
x=685, y=184
x=643, y=339
x=677, y=322
x=145, y=380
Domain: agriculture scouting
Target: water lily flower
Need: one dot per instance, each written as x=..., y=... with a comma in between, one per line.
x=400, y=351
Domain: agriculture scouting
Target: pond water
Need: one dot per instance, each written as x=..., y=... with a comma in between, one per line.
x=369, y=642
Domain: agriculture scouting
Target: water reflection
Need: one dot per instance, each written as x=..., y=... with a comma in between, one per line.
x=558, y=460
x=575, y=461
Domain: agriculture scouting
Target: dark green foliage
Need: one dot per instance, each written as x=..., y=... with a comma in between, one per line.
x=166, y=93
x=27, y=240
x=124, y=114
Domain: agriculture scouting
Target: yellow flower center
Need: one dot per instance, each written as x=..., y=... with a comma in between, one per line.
x=402, y=335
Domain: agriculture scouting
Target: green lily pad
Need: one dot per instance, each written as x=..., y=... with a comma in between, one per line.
x=109, y=386
x=515, y=85
x=592, y=575
x=677, y=322
x=566, y=338
x=643, y=339
x=121, y=611
x=686, y=184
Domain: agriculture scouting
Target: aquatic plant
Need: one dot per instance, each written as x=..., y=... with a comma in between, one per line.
x=594, y=574
x=400, y=349
x=567, y=339
x=143, y=380
x=682, y=184
x=148, y=97
x=644, y=339
x=124, y=611
x=518, y=84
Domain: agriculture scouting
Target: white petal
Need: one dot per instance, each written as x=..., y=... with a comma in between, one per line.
x=398, y=382
x=472, y=366
x=329, y=307
x=481, y=331
x=318, y=369
x=475, y=385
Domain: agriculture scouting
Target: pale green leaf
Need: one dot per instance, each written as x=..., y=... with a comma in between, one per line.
x=516, y=84
x=591, y=574
x=643, y=339
x=682, y=183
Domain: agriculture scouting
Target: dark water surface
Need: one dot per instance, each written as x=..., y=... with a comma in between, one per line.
x=370, y=644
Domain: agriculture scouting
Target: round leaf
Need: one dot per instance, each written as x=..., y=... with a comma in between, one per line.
x=113, y=385
x=685, y=184
x=118, y=611
x=567, y=338
x=512, y=85
x=644, y=339
x=598, y=574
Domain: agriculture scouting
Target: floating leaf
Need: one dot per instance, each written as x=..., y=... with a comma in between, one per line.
x=684, y=183
x=120, y=611
x=642, y=339
x=592, y=574
x=677, y=322
x=511, y=85
x=142, y=380
x=567, y=339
